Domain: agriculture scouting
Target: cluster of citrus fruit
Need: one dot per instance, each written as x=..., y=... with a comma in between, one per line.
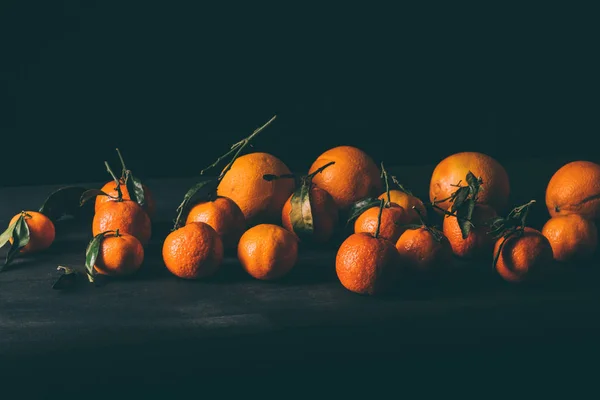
x=263, y=213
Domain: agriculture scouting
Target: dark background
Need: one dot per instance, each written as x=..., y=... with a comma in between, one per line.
x=173, y=84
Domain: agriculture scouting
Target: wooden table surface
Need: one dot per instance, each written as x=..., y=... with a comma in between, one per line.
x=147, y=327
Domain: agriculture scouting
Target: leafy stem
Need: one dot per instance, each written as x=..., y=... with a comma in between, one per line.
x=384, y=176
x=437, y=235
x=400, y=186
x=117, y=182
x=382, y=203
x=319, y=170
x=123, y=167
x=237, y=149
x=463, y=201
x=512, y=225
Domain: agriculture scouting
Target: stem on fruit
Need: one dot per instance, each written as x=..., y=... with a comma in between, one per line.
x=124, y=168
x=318, y=171
x=420, y=215
x=237, y=148
x=384, y=175
x=379, y=219
x=400, y=186
x=118, y=187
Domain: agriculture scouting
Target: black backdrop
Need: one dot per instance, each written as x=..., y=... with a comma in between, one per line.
x=173, y=84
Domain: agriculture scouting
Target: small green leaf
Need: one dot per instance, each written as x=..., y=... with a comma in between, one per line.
x=271, y=177
x=203, y=189
x=472, y=179
x=301, y=213
x=63, y=202
x=207, y=186
x=66, y=280
x=460, y=196
x=90, y=194
x=361, y=206
x=497, y=255
x=91, y=254
x=20, y=236
x=135, y=188
x=464, y=215
x=7, y=234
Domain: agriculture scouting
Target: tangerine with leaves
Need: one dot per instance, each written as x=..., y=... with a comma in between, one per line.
x=310, y=212
x=34, y=231
x=520, y=253
x=424, y=249
x=575, y=189
x=128, y=187
x=367, y=263
x=224, y=215
x=193, y=251
x=41, y=231
x=260, y=200
x=353, y=177
x=466, y=220
x=392, y=220
x=572, y=237
x=453, y=169
x=268, y=252
x=114, y=253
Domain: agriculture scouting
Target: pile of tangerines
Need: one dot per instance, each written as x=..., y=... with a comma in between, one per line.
x=257, y=209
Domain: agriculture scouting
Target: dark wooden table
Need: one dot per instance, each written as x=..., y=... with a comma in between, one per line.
x=155, y=328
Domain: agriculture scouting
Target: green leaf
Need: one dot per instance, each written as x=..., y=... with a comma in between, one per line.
x=91, y=254
x=497, y=255
x=63, y=202
x=202, y=189
x=361, y=206
x=301, y=213
x=271, y=177
x=460, y=196
x=66, y=280
x=463, y=215
x=20, y=236
x=135, y=188
x=7, y=234
x=199, y=190
x=472, y=179
x=90, y=194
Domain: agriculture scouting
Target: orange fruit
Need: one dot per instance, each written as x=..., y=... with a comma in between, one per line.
x=454, y=168
x=353, y=177
x=407, y=201
x=127, y=216
x=41, y=231
x=367, y=265
x=110, y=188
x=224, y=215
x=575, y=189
x=571, y=236
x=421, y=251
x=523, y=257
x=393, y=222
x=479, y=243
x=268, y=251
x=119, y=255
x=324, y=213
x=194, y=251
x=259, y=200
